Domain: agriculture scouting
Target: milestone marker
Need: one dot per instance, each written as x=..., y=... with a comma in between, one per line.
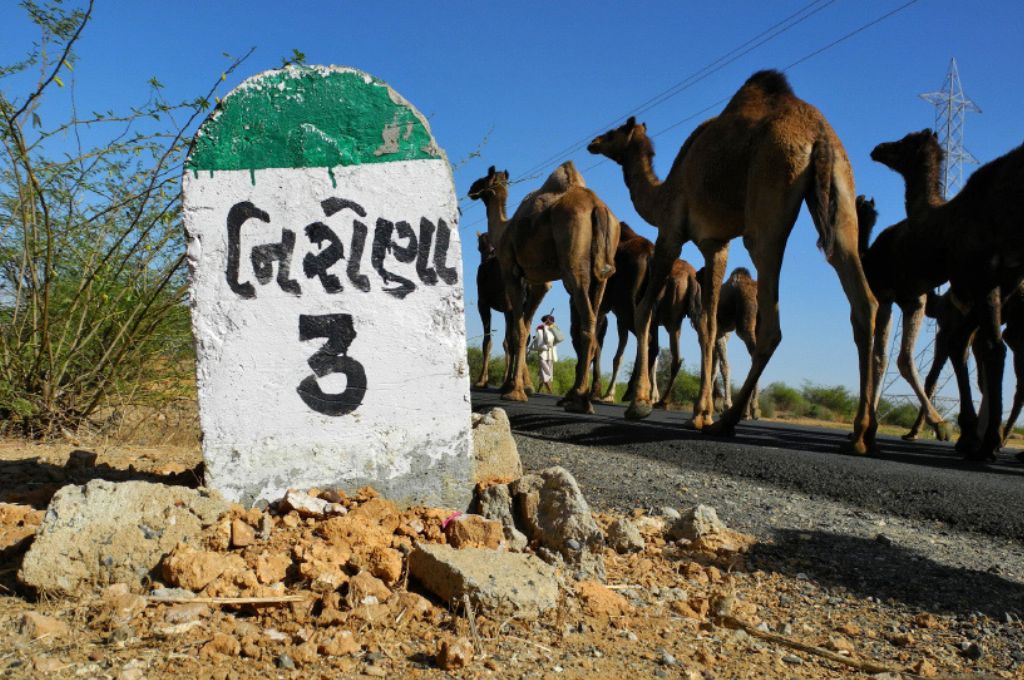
x=327, y=300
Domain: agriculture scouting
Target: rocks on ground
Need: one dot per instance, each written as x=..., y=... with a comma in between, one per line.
x=106, y=532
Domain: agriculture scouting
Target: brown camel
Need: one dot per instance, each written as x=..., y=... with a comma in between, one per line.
x=974, y=241
x=746, y=173
x=490, y=286
x=737, y=311
x=897, y=277
x=678, y=299
x=562, y=231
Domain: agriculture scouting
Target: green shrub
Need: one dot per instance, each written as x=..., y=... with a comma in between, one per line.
x=836, y=400
x=784, y=400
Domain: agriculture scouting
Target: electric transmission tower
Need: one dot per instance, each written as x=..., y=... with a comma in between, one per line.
x=951, y=109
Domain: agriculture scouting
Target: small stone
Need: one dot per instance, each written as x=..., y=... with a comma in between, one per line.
x=341, y=643
x=284, y=661
x=221, y=644
x=925, y=668
x=180, y=593
x=194, y=569
x=883, y=539
x=183, y=613
x=971, y=651
x=36, y=626
x=47, y=664
x=901, y=639
x=453, y=655
x=598, y=600
x=305, y=654
x=364, y=585
x=695, y=523
x=242, y=534
x=474, y=531
x=851, y=629
x=304, y=504
x=386, y=564
x=840, y=644
x=792, y=659
x=271, y=568
x=624, y=537
x=669, y=513
x=667, y=659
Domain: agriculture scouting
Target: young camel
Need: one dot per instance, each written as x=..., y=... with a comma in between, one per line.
x=897, y=277
x=737, y=311
x=746, y=173
x=562, y=231
x=678, y=299
x=490, y=287
x=974, y=241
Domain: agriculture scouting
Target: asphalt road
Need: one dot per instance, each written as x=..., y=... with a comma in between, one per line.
x=918, y=480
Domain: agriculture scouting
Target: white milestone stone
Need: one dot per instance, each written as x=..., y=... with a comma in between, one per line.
x=327, y=294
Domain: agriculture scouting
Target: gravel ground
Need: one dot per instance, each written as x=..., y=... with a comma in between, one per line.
x=906, y=562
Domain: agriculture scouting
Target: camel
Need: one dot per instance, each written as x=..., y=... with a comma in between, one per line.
x=745, y=173
x=737, y=311
x=678, y=299
x=490, y=286
x=561, y=231
x=896, y=276
x=974, y=241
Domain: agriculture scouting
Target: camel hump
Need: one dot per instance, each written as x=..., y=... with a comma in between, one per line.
x=740, y=273
x=558, y=183
x=564, y=177
x=770, y=82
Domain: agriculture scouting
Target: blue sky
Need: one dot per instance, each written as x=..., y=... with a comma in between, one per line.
x=527, y=80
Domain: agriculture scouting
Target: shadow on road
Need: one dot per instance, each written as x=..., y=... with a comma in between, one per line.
x=887, y=571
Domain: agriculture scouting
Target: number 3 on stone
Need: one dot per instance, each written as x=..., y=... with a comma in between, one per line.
x=332, y=358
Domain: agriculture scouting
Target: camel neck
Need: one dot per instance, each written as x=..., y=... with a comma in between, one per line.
x=496, y=219
x=643, y=185
x=922, y=191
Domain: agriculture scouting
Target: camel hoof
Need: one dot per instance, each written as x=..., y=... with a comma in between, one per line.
x=720, y=429
x=854, y=447
x=515, y=395
x=661, y=405
x=638, y=410
x=966, y=445
x=605, y=400
x=479, y=386
x=579, y=406
x=912, y=436
x=943, y=431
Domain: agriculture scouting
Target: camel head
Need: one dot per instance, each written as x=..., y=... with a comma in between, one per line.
x=484, y=245
x=494, y=183
x=614, y=143
x=916, y=150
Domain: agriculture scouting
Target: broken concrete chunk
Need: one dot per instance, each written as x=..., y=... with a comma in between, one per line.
x=495, y=455
x=565, y=524
x=104, y=532
x=509, y=584
x=495, y=502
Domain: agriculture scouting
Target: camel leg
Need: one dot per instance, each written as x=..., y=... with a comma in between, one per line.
x=623, y=334
x=716, y=257
x=653, y=351
x=959, y=346
x=864, y=309
x=518, y=335
x=1014, y=338
x=585, y=297
x=754, y=407
x=485, y=318
x=767, y=258
x=666, y=249
x=677, y=363
x=722, y=356
x=930, y=383
x=577, y=346
x=534, y=296
x=993, y=355
x=913, y=314
x=595, y=381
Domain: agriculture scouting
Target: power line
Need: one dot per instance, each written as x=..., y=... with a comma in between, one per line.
x=709, y=107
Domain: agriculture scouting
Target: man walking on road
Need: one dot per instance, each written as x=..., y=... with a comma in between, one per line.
x=548, y=335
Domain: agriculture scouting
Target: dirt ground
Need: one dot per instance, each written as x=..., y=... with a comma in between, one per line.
x=670, y=611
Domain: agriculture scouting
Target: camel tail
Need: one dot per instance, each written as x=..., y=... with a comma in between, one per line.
x=693, y=301
x=867, y=215
x=603, y=243
x=822, y=197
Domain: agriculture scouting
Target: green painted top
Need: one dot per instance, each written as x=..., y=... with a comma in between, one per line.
x=310, y=117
